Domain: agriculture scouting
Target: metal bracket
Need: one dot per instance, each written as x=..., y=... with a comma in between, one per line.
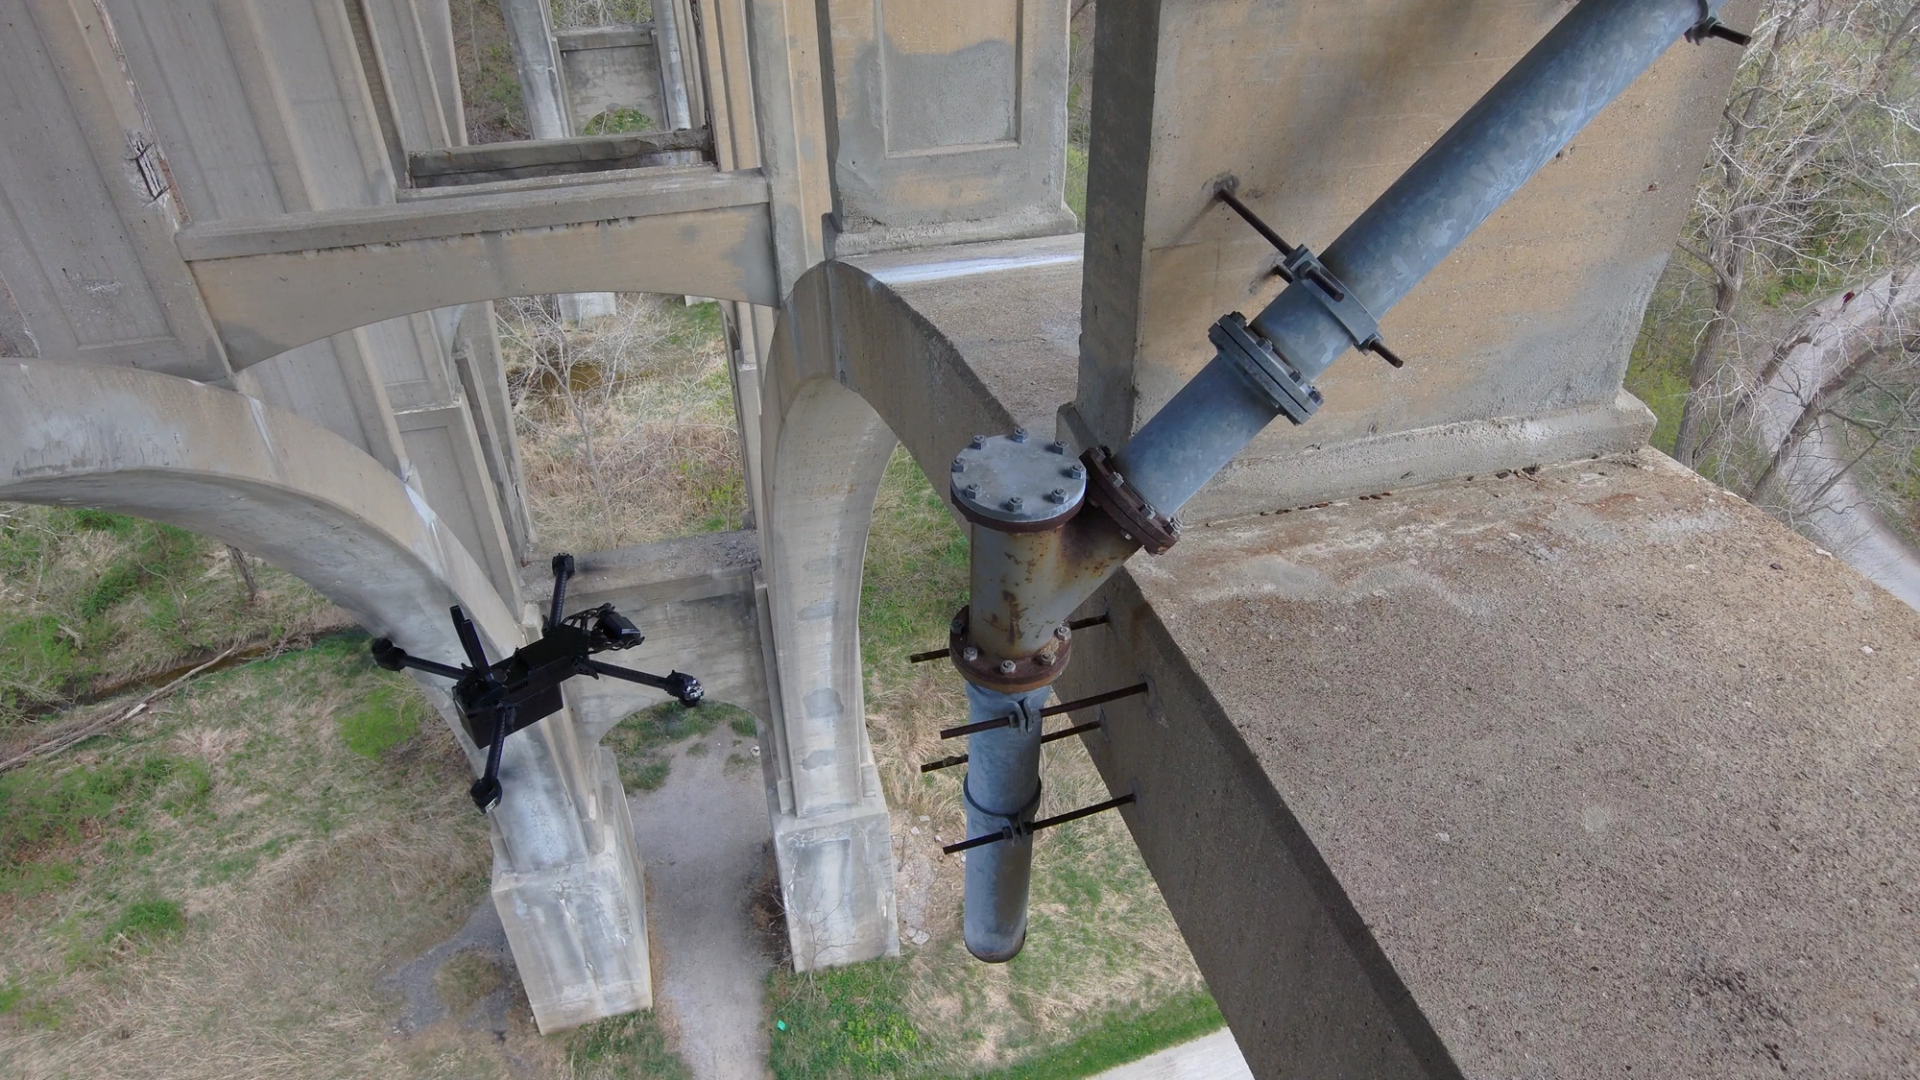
x=1711, y=27
x=1340, y=303
x=1299, y=264
x=1016, y=822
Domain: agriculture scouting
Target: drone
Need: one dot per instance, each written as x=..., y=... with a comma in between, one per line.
x=496, y=700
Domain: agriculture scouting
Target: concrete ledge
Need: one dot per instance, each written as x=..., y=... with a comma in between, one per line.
x=1561, y=775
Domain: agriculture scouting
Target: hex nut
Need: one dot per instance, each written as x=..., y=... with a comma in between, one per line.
x=970, y=653
x=1007, y=666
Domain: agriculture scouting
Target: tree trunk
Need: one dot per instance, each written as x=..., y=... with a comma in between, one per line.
x=1706, y=360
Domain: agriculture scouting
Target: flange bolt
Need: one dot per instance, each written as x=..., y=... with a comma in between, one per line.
x=1078, y=472
x=977, y=441
x=1057, y=495
x=959, y=465
x=1007, y=667
x=956, y=626
x=1019, y=434
x=1056, y=447
x=1015, y=502
x=969, y=654
x=1060, y=632
x=971, y=491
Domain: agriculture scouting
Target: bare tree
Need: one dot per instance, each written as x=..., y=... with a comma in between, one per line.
x=1809, y=178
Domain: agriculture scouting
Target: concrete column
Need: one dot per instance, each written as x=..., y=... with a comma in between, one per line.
x=567, y=879
x=948, y=121
x=543, y=93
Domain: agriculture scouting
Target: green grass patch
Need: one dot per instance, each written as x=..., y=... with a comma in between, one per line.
x=619, y=120
x=386, y=719
x=1076, y=187
x=630, y=1047
x=916, y=571
x=147, y=921
x=844, y=1022
x=642, y=742
x=98, y=599
x=1121, y=1038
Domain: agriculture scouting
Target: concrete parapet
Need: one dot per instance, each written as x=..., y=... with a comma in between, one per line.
x=1559, y=774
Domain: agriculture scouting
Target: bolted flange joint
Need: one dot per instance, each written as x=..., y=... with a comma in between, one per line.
x=1014, y=484
x=1008, y=675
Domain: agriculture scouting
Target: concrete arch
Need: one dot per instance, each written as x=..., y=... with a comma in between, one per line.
x=858, y=358
x=566, y=876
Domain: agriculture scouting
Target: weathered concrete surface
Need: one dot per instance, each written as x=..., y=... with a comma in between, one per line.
x=1561, y=775
x=694, y=599
x=609, y=67
x=949, y=122
x=1317, y=107
x=277, y=283
x=566, y=879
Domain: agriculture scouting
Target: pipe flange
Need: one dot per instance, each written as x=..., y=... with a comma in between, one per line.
x=1013, y=484
x=1014, y=676
x=1262, y=363
x=1109, y=491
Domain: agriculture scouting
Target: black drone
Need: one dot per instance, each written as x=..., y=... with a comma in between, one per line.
x=497, y=700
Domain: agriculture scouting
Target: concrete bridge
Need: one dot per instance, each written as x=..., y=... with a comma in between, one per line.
x=1481, y=740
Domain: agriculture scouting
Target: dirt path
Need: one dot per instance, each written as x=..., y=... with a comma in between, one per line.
x=704, y=838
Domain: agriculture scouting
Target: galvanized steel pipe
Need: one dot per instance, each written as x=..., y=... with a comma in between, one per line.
x=1002, y=787
x=1583, y=63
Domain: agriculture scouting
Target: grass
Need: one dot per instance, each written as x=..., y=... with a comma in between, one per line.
x=626, y=424
x=1076, y=184
x=466, y=979
x=643, y=742
x=390, y=716
x=90, y=600
x=631, y=1047
x=1105, y=975
x=217, y=888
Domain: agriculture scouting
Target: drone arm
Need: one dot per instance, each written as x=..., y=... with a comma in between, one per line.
x=679, y=684
x=562, y=572
x=394, y=658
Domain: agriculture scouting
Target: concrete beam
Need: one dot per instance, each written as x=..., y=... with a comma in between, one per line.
x=566, y=877
x=949, y=123
x=1580, y=773
x=492, y=162
x=278, y=283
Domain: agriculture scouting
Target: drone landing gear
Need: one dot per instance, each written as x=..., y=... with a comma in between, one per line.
x=496, y=700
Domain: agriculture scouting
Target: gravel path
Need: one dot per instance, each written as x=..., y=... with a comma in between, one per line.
x=705, y=841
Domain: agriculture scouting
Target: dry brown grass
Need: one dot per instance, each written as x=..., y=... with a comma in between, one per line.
x=306, y=872
x=626, y=424
x=90, y=602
